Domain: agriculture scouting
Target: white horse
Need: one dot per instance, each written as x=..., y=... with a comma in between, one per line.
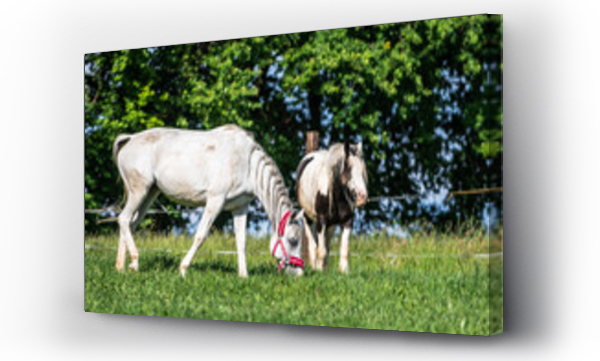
x=331, y=184
x=223, y=169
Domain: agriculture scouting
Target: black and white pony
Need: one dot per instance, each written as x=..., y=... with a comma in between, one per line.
x=331, y=184
x=223, y=169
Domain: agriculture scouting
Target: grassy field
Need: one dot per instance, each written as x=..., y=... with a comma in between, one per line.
x=428, y=283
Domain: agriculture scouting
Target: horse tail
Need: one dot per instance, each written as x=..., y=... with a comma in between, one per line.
x=119, y=143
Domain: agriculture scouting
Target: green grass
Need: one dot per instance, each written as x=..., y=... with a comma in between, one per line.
x=413, y=291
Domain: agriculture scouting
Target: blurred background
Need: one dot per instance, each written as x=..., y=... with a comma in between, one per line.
x=425, y=98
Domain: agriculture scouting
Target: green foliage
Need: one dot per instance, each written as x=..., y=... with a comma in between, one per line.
x=412, y=291
x=424, y=97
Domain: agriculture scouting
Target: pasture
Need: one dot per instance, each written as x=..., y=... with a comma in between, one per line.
x=430, y=282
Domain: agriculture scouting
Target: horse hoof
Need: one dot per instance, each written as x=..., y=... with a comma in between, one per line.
x=182, y=271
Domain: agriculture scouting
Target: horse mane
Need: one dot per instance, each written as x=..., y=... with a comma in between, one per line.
x=269, y=186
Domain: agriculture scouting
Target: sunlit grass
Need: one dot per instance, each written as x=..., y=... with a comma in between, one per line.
x=432, y=282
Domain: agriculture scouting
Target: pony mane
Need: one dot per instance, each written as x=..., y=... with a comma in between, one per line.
x=335, y=159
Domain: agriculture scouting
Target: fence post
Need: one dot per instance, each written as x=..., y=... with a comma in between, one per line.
x=312, y=144
x=312, y=141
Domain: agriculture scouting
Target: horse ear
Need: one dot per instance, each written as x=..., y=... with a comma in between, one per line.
x=299, y=216
x=346, y=150
x=359, y=149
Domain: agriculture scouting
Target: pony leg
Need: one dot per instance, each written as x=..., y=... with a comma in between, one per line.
x=344, y=247
x=239, y=226
x=321, y=246
x=211, y=211
x=312, y=244
x=328, y=237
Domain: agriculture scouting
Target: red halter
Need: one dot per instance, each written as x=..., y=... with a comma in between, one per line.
x=287, y=260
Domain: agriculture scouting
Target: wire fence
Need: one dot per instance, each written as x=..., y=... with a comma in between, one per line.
x=393, y=256
x=114, y=210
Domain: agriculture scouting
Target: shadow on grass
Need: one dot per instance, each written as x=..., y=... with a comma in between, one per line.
x=212, y=265
x=263, y=269
x=161, y=262
x=170, y=262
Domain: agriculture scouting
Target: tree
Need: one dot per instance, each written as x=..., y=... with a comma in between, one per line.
x=424, y=97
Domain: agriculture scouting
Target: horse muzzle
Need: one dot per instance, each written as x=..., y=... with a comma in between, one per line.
x=360, y=199
x=294, y=271
x=293, y=266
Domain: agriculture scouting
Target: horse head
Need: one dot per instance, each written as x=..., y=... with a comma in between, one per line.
x=354, y=175
x=286, y=245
